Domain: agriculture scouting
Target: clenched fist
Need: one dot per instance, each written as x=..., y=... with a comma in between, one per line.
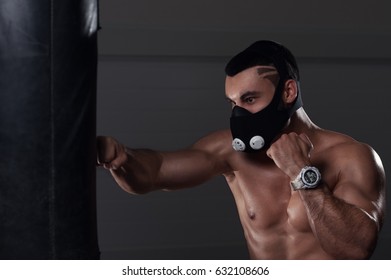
x=110, y=153
x=291, y=152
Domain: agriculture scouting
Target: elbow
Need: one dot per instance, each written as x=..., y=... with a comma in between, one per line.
x=360, y=248
x=353, y=253
x=369, y=238
x=361, y=252
x=368, y=245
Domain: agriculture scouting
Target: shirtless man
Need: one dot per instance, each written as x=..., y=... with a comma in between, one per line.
x=302, y=192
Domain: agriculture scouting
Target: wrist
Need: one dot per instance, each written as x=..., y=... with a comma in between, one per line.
x=296, y=170
x=309, y=177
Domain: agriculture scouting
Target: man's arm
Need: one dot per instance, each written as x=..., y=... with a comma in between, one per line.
x=140, y=170
x=346, y=217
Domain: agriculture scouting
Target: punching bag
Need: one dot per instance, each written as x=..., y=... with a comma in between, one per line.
x=48, y=65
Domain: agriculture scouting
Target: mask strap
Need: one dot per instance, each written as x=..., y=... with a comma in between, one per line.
x=298, y=102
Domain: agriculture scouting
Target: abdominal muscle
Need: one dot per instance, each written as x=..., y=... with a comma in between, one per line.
x=277, y=243
x=273, y=217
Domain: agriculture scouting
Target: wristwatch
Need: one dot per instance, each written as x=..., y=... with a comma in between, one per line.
x=308, y=178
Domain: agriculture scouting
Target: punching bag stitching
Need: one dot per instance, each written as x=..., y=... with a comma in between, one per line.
x=52, y=194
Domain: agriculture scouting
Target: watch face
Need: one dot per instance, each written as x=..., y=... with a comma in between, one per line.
x=310, y=177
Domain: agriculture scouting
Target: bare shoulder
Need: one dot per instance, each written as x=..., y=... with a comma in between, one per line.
x=344, y=150
x=360, y=176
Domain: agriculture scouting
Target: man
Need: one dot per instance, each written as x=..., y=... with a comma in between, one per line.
x=302, y=192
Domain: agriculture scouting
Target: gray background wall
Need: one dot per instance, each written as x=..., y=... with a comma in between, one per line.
x=161, y=86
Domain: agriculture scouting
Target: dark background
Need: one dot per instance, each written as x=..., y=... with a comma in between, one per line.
x=161, y=86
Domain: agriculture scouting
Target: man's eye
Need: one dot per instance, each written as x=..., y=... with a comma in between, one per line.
x=250, y=100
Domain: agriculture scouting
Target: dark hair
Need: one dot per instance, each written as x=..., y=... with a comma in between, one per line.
x=265, y=53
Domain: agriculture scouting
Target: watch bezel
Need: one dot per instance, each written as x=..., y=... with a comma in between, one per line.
x=304, y=180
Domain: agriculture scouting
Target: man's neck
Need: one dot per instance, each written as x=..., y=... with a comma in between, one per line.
x=299, y=123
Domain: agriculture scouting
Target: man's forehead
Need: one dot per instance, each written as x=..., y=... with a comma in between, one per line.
x=250, y=80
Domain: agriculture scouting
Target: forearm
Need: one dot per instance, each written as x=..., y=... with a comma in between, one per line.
x=343, y=230
x=140, y=173
x=147, y=170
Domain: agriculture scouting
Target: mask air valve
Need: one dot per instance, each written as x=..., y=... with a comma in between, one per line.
x=256, y=143
x=238, y=145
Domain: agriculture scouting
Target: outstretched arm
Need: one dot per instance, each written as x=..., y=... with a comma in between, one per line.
x=140, y=170
x=346, y=217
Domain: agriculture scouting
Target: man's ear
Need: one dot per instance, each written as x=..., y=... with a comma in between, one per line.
x=290, y=92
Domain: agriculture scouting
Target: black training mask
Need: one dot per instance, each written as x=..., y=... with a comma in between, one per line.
x=252, y=132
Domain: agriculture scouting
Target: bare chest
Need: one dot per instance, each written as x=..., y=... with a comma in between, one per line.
x=266, y=201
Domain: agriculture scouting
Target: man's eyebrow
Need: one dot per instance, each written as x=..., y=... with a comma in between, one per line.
x=244, y=95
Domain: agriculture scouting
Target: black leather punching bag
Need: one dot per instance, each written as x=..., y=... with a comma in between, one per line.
x=48, y=65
